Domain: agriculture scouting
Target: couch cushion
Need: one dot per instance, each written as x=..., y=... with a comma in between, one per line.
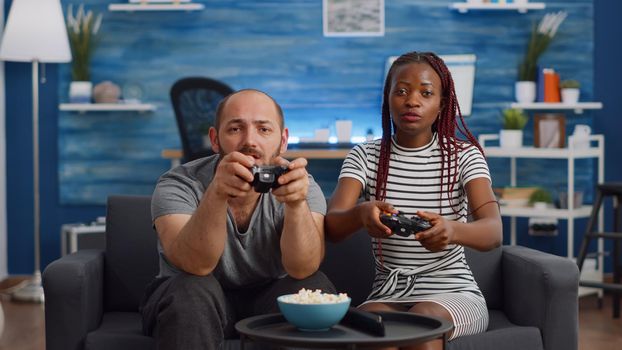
x=131, y=252
x=350, y=266
x=501, y=334
x=119, y=331
x=486, y=268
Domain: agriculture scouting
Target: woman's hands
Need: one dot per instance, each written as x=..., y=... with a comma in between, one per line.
x=439, y=235
x=369, y=212
x=434, y=239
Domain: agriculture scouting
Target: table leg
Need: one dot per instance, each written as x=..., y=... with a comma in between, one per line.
x=444, y=341
x=242, y=341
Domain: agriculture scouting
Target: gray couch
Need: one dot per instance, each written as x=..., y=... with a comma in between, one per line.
x=92, y=296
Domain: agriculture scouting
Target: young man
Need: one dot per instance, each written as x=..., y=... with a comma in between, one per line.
x=226, y=251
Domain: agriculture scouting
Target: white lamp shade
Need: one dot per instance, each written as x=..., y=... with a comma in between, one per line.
x=35, y=31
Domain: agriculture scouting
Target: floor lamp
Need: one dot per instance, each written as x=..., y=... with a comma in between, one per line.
x=35, y=32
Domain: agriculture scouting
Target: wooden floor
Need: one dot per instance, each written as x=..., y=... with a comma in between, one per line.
x=24, y=327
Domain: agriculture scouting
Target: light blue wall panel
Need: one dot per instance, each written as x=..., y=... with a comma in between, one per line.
x=278, y=47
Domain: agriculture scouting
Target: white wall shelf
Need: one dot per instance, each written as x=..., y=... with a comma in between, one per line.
x=578, y=107
x=540, y=153
x=464, y=7
x=107, y=107
x=156, y=7
x=529, y=212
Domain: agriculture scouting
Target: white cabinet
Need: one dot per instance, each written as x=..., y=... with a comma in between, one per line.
x=596, y=150
x=570, y=154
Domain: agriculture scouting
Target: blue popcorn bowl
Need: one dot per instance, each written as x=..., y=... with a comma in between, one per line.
x=312, y=317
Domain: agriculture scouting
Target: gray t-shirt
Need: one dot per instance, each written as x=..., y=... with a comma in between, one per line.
x=250, y=258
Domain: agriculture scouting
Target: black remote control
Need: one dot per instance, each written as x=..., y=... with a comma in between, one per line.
x=403, y=226
x=265, y=177
x=364, y=321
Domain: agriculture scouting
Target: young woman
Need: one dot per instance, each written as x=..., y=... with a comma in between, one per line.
x=421, y=167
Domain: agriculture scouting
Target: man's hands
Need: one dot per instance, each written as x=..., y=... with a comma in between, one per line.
x=233, y=176
x=294, y=184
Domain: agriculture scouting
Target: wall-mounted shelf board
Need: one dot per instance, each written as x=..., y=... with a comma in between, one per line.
x=578, y=107
x=464, y=7
x=546, y=153
x=156, y=7
x=528, y=212
x=107, y=107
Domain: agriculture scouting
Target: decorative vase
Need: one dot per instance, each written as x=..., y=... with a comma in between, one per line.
x=80, y=91
x=510, y=138
x=106, y=92
x=540, y=205
x=525, y=91
x=570, y=95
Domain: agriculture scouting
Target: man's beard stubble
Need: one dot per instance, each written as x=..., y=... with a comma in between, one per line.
x=253, y=152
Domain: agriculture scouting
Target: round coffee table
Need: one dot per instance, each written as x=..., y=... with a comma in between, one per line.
x=401, y=329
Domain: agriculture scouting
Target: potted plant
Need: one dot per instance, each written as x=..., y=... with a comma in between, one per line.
x=82, y=30
x=570, y=91
x=511, y=135
x=540, y=198
x=541, y=37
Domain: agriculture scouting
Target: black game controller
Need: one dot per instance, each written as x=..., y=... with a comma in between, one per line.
x=265, y=177
x=403, y=226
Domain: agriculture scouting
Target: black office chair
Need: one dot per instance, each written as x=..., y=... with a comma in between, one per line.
x=195, y=100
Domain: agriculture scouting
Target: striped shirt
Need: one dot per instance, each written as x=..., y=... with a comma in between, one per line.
x=409, y=272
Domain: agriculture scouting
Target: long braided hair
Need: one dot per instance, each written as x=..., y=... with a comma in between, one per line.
x=445, y=125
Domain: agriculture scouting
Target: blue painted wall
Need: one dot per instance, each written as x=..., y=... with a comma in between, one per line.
x=276, y=46
x=608, y=73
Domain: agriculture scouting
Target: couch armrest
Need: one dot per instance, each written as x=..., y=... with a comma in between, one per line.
x=74, y=287
x=541, y=290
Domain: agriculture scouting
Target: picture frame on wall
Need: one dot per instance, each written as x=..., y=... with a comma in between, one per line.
x=549, y=130
x=342, y=18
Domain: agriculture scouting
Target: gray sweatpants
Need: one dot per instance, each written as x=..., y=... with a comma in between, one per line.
x=194, y=312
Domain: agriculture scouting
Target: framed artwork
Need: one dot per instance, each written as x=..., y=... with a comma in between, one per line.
x=549, y=130
x=353, y=17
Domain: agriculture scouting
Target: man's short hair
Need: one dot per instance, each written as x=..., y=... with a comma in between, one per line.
x=222, y=103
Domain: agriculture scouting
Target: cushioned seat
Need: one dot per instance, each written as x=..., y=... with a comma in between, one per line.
x=119, y=330
x=501, y=334
x=92, y=296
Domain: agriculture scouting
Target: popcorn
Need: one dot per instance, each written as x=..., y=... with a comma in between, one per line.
x=307, y=296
